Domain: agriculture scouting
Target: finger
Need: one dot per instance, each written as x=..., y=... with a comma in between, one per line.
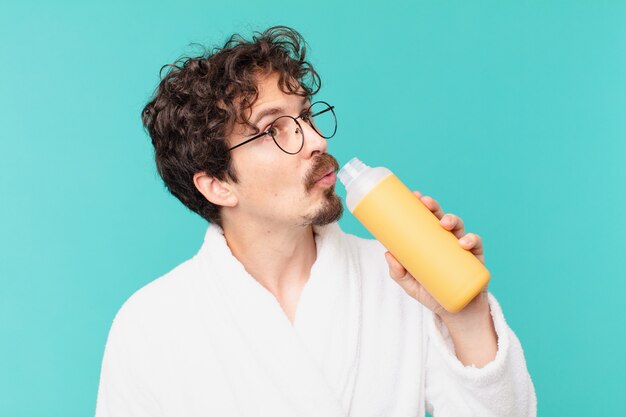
x=403, y=277
x=453, y=223
x=473, y=243
x=471, y=240
x=396, y=270
x=432, y=205
x=417, y=193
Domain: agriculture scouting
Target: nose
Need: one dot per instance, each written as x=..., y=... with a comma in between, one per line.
x=313, y=141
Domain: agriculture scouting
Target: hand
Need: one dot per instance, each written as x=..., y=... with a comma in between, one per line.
x=476, y=308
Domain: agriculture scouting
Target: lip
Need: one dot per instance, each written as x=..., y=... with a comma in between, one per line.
x=328, y=179
x=330, y=171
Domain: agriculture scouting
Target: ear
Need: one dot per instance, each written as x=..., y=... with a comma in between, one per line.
x=216, y=191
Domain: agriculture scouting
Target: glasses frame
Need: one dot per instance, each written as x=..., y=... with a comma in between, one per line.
x=295, y=119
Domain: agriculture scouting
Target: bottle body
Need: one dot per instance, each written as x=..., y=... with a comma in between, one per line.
x=414, y=236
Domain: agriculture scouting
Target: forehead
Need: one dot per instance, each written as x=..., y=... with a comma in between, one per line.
x=270, y=92
x=270, y=99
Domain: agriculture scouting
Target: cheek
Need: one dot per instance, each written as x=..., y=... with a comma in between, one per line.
x=274, y=181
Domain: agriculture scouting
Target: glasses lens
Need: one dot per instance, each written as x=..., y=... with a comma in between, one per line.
x=323, y=118
x=287, y=134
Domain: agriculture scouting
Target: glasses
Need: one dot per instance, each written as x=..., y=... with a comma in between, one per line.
x=287, y=131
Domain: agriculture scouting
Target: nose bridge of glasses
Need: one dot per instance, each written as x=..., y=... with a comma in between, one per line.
x=284, y=134
x=312, y=139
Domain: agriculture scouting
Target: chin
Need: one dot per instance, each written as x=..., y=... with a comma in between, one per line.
x=330, y=211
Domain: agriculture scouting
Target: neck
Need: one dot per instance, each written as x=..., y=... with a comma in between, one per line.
x=278, y=257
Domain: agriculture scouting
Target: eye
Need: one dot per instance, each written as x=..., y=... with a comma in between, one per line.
x=306, y=116
x=262, y=129
x=271, y=130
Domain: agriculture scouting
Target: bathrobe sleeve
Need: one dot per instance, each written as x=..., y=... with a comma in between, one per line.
x=121, y=392
x=502, y=388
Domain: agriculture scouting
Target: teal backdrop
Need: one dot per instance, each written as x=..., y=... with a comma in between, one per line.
x=510, y=114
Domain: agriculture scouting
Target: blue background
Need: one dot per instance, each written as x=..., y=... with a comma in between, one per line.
x=510, y=114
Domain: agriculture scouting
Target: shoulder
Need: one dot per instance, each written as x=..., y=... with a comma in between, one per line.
x=154, y=304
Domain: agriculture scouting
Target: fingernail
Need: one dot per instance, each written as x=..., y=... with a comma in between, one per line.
x=465, y=240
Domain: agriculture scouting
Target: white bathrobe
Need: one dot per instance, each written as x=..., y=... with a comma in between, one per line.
x=206, y=339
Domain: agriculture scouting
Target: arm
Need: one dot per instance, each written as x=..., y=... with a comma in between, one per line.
x=475, y=365
x=501, y=387
x=121, y=392
x=474, y=335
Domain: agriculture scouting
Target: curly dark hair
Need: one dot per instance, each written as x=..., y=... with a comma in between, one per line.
x=198, y=103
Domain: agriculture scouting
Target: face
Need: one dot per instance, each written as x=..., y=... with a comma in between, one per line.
x=279, y=188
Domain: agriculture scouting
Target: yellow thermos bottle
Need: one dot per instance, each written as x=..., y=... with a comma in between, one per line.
x=413, y=234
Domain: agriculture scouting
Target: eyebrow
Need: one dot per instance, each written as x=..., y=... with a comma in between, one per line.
x=273, y=111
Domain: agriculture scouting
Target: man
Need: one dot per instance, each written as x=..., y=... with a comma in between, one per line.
x=280, y=313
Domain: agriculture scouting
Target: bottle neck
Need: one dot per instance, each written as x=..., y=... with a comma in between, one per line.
x=362, y=184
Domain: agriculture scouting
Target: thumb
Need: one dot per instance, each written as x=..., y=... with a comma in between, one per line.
x=396, y=270
x=401, y=276
x=410, y=285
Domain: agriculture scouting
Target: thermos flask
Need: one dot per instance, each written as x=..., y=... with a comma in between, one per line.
x=412, y=233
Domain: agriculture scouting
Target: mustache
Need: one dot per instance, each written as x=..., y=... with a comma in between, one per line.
x=322, y=165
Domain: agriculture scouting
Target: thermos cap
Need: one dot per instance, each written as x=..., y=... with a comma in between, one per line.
x=350, y=171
